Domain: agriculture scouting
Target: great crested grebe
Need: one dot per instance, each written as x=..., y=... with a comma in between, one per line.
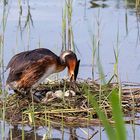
x=28, y=69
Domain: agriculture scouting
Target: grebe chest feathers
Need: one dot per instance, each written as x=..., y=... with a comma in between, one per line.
x=30, y=68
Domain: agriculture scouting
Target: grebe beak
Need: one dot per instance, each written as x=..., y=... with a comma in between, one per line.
x=73, y=70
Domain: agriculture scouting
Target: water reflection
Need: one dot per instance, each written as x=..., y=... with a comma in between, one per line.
x=94, y=4
x=129, y=4
x=28, y=135
x=18, y=134
x=73, y=135
x=44, y=133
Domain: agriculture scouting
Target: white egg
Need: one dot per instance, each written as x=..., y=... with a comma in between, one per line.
x=49, y=93
x=59, y=94
x=69, y=93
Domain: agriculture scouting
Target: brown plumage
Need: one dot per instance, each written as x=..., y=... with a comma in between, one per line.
x=28, y=69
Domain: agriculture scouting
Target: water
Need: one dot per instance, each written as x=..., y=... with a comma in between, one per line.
x=47, y=28
x=116, y=19
x=66, y=134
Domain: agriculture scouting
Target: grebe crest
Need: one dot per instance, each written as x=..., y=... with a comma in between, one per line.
x=66, y=55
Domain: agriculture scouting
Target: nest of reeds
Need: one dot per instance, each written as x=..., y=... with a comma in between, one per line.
x=71, y=110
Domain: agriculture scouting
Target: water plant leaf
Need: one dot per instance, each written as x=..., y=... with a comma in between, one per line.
x=30, y=118
x=109, y=129
x=117, y=115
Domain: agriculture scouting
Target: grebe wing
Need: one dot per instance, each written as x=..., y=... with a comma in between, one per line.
x=33, y=72
x=27, y=57
x=23, y=60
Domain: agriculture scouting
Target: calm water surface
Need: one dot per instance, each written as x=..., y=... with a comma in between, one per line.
x=46, y=32
x=117, y=20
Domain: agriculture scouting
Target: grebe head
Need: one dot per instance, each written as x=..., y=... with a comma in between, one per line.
x=69, y=58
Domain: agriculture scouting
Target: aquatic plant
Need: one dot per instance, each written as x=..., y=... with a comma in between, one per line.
x=67, y=29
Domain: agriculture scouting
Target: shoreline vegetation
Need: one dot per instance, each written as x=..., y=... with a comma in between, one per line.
x=77, y=110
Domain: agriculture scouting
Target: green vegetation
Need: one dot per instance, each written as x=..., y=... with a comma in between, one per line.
x=91, y=100
x=67, y=31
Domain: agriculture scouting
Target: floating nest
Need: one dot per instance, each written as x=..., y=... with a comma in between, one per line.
x=72, y=110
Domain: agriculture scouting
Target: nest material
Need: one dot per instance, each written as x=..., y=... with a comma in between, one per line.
x=69, y=111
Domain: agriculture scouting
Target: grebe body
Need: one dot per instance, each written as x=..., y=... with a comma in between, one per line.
x=30, y=68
